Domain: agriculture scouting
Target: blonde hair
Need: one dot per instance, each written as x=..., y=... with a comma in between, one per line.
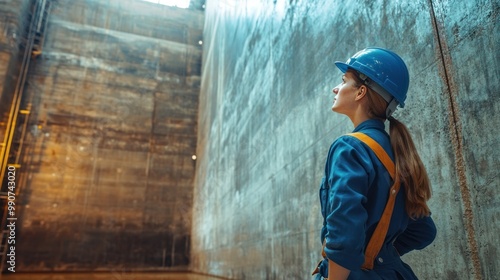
x=410, y=170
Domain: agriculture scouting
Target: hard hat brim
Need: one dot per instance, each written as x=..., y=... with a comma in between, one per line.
x=342, y=66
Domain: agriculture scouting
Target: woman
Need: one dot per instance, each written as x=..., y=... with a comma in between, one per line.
x=355, y=188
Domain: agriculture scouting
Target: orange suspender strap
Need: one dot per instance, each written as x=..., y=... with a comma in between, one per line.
x=378, y=237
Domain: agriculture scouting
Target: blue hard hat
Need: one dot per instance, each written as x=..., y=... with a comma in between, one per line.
x=383, y=71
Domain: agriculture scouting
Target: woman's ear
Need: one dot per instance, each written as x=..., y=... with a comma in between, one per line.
x=361, y=92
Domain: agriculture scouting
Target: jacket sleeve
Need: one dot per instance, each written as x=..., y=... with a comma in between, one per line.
x=348, y=174
x=418, y=235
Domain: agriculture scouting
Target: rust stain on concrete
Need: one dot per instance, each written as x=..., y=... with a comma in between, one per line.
x=445, y=72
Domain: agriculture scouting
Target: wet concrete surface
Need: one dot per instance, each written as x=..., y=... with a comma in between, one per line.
x=265, y=126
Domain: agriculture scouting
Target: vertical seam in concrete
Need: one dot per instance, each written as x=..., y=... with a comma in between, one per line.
x=456, y=138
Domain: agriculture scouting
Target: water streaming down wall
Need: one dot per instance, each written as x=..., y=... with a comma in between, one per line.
x=265, y=127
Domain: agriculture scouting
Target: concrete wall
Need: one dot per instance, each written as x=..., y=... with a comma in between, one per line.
x=265, y=127
x=13, y=22
x=107, y=158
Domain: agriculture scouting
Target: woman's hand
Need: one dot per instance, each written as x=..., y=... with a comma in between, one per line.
x=337, y=272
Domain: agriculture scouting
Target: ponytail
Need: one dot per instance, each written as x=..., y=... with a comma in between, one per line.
x=410, y=170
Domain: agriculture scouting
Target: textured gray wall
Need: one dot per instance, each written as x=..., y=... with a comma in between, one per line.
x=265, y=127
x=107, y=158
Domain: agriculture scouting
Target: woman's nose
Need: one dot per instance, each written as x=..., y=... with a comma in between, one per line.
x=335, y=90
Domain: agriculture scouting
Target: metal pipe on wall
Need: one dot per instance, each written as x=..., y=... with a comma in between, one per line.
x=16, y=101
x=38, y=15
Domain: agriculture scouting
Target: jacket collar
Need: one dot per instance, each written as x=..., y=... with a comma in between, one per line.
x=370, y=124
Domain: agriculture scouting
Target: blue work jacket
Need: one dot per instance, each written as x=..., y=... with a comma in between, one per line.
x=353, y=195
